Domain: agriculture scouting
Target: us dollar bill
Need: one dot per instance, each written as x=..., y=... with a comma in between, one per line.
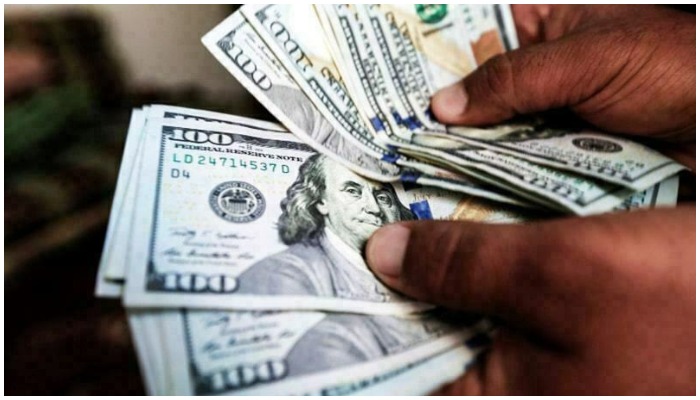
x=423, y=175
x=248, y=58
x=607, y=158
x=146, y=336
x=238, y=218
x=410, y=42
x=549, y=187
x=105, y=285
x=378, y=99
x=251, y=353
x=402, y=59
x=445, y=205
x=489, y=28
x=155, y=332
x=424, y=202
x=377, y=32
x=434, y=31
x=294, y=34
x=238, y=47
x=115, y=257
x=663, y=194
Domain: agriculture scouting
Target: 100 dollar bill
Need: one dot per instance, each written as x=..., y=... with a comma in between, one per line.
x=249, y=59
x=363, y=70
x=294, y=34
x=236, y=218
x=300, y=352
x=425, y=202
x=238, y=47
x=171, y=366
x=610, y=159
x=547, y=186
x=422, y=48
x=115, y=257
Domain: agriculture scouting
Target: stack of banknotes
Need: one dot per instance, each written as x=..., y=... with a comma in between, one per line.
x=355, y=83
x=236, y=244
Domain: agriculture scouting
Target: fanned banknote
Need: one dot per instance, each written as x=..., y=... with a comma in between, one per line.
x=310, y=353
x=294, y=34
x=115, y=257
x=371, y=354
x=369, y=71
x=611, y=159
x=248, y=58
x=371, y=84
x=206, y=182
x=298, y=352
x=567, y=191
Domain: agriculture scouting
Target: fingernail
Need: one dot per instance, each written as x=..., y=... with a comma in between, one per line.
x=450, y=102
x=386, y=250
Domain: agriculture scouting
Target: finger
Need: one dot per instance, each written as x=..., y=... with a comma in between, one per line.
x=545, y=76
x=537, y=23
x=530, y=274
x=469, y=384
x=558, y=71
x=507, y=368
x=530, y=21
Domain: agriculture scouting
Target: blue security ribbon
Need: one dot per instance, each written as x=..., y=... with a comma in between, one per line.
x=421, y=209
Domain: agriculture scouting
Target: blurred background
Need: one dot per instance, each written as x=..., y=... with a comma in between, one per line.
x=72, y=76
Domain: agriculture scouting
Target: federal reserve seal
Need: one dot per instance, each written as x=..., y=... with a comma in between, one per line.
x=597, y=145
x=237, y=202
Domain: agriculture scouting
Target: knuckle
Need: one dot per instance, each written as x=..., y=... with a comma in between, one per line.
x=464, y=269
x=551, y=259
x=535, y=265
x=532, y=266
x=449, y=281
x=566, y=266
x=499, y=74
x=498, y=81
x=444, y=264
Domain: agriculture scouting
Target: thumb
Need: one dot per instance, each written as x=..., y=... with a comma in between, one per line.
x=462, y=265
x=530, y=274
x=555, y=74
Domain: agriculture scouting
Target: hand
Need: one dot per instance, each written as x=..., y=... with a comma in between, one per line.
x=625, y=69
x=601, y=305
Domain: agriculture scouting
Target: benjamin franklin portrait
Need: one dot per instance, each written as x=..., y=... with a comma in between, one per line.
x=328, y=215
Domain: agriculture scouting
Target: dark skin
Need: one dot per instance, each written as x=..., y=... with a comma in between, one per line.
x=597, y=305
